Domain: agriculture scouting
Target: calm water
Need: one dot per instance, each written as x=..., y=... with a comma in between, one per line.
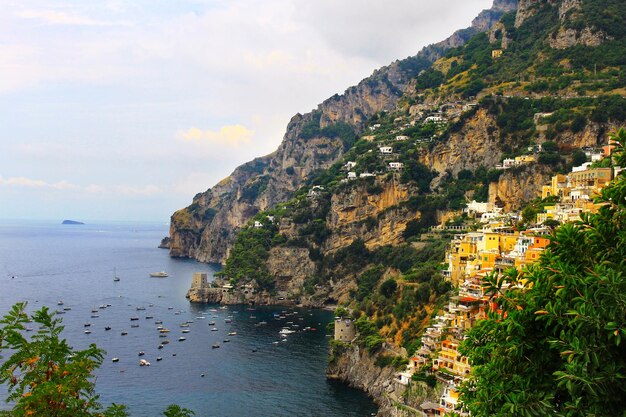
x=255, y=374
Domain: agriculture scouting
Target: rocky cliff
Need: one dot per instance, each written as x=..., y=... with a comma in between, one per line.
x=357, y=368
x=474, y=145
x=205, y=230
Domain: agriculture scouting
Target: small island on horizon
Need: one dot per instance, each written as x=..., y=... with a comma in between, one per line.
x=71, y=222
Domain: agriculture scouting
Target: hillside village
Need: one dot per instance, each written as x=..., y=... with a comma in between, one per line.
x=496, y=245
x=400, y=198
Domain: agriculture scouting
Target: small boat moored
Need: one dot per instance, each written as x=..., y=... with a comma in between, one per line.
x=160, y=274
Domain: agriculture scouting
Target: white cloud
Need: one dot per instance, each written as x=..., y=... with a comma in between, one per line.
x=146, y=190
x=33, y=183
x=95, y=189
x=120, y=190
x=230, y=136
x=53, y=17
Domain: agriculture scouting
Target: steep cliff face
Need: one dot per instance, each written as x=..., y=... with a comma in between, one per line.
x=357, y=368
x=474, y=145
x=205, y=230
x=373, y=217
x=564, y=36
x=290, y=267
x=516, y=188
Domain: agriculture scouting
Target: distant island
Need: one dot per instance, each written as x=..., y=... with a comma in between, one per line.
x=71, y=222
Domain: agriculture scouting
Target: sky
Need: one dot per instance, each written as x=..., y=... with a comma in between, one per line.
x=125, y=109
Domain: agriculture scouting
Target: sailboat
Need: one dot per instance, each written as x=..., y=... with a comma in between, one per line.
x=115, y=277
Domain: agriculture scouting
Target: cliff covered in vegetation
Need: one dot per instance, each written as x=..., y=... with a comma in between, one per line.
x=346, y=203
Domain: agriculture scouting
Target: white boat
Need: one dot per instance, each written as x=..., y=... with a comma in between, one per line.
x=182, y=339
x=232, y=333
x=143, y=362
x=286, y=331
x=160, y=274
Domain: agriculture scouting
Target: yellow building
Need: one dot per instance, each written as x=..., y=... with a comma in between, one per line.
x=492, y=241
x=595, y=178
x=557, y=186
x=488, y=259
x=450, y=359
x=462, y=251
x=508, y=241
x=524, y=159
x=496, y=53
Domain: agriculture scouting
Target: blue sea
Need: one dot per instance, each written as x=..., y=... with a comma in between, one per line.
x=256, y=373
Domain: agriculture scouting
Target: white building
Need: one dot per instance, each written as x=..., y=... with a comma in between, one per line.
x=491, y=215
x=350, y=164
x=366, y=175
x=404, y=377
x=435, y=119
x=396, y=165
x=506, y=164
x=402, y=137
x=475, y=207
x=315, y=191
x=583, y=167
x=385, y=150
x=597, y=156
x=351, y=175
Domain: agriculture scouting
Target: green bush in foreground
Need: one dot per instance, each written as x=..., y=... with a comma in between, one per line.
x=557, y=348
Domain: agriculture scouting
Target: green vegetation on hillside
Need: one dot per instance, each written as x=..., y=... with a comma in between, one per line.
x=531, y=63
x=339, y=130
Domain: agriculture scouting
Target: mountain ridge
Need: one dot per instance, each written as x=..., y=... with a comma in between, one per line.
x=206, y=229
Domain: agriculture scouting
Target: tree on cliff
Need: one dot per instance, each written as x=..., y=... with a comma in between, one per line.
x=47, y=377
x=556, y=346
